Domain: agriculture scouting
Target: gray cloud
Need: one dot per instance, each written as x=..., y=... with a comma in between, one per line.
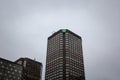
x=26, y=24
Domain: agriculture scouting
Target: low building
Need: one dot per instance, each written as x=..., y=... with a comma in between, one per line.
x=32, y=69
x=10, y=70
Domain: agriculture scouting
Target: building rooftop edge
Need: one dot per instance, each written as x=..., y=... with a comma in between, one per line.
x=28, y=59
x=9, y=61
x=64, y=31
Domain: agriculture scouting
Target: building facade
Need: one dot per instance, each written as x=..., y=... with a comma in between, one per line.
x=64, y=56
x=32, y=70
x=10, y=70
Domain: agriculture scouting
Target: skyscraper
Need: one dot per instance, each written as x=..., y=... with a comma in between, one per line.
x=64, y=56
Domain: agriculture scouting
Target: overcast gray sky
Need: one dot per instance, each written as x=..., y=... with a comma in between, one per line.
x=25, y=26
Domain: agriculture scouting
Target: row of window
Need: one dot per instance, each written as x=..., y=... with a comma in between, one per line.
x=9, y=65
x=7, y=78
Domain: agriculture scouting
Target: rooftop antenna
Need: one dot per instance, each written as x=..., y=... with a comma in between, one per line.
x=34, y=59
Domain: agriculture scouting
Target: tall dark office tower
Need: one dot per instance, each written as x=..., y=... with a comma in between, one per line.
x=64, y=56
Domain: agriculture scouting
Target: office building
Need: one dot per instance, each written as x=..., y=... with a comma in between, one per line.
x=64, y=59
x=22, y=69
x=32, y=69
x=10, y=70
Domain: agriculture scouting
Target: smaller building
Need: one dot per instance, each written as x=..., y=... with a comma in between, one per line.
x=32, y=69
x=10, y=70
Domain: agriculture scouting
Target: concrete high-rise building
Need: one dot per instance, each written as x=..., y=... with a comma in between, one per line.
x=64, y=56
x=32, y=70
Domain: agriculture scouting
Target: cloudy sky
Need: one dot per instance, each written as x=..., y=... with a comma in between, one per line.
x=25, y=26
